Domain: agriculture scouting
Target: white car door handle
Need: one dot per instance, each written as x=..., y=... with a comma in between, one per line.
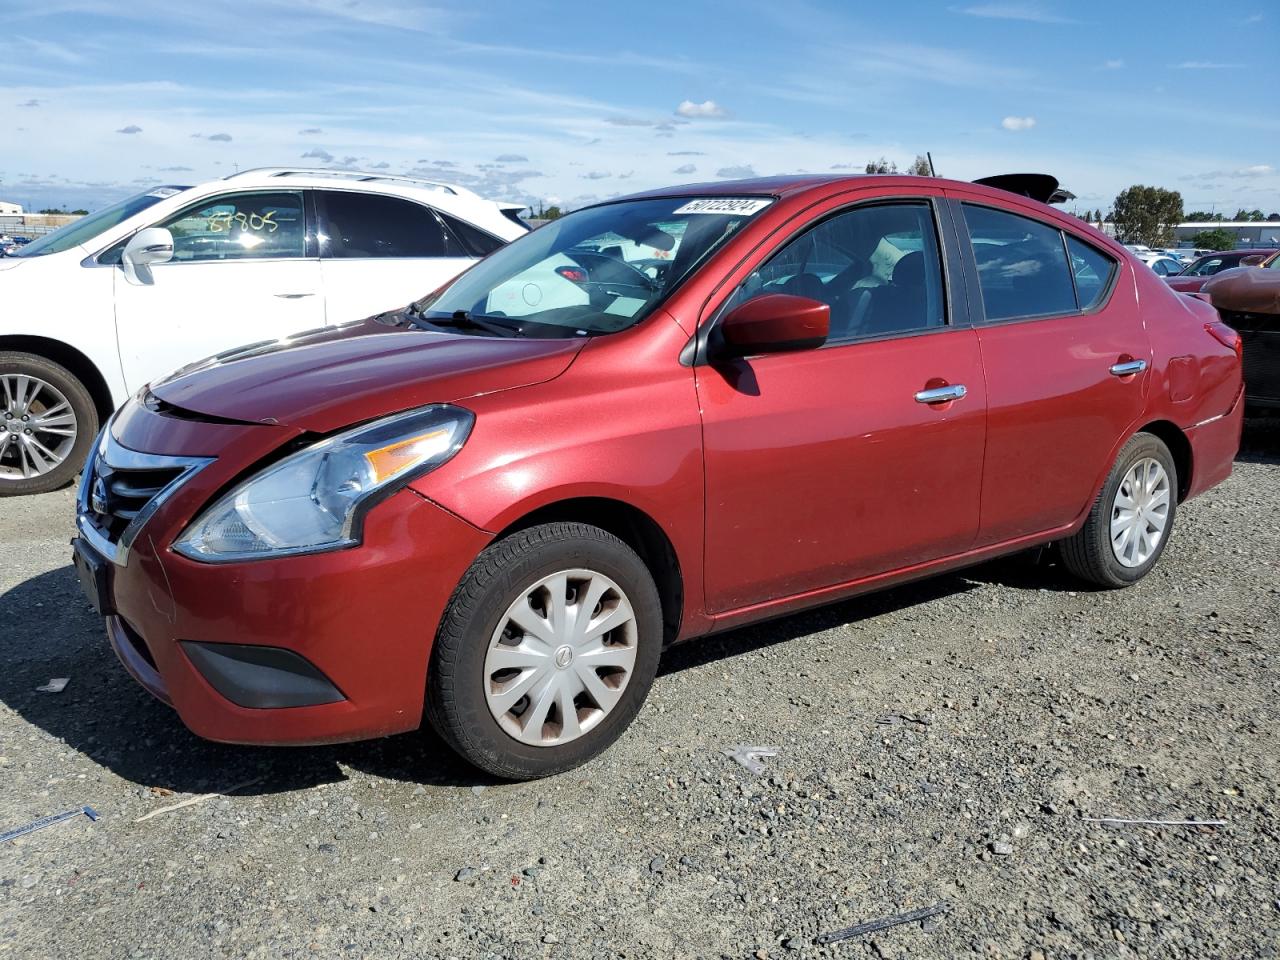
x=293, y=296
x=942, y=394
x=1128, y=368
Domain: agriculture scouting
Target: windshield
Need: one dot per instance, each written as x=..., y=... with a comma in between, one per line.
x=596, y=271
x=86, y=228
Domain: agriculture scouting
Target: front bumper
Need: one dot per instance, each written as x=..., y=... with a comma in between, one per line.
x=361, y=622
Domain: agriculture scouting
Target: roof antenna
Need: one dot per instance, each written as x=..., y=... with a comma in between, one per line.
x=929, y=156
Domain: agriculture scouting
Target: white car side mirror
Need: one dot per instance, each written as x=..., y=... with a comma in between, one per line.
x=152, y=245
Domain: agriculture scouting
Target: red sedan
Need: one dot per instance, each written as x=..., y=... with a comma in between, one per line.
x=651, y=420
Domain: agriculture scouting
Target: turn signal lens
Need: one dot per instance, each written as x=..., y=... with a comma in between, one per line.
x=389, y=460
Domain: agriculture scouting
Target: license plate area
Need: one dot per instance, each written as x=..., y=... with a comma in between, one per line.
x=94, y=572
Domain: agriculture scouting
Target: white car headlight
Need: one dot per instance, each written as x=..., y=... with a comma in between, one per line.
x=314, y=499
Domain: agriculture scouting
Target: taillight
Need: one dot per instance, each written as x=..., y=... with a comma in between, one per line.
x=574, y=274
x=1226, y=336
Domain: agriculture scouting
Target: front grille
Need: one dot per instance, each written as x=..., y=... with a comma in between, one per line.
x=1260, y=334
x=117, y=496
x=121, y=488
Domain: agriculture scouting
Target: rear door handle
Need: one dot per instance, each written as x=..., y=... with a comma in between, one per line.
x=955, y=391
x=293, y=296
x=1127, y=368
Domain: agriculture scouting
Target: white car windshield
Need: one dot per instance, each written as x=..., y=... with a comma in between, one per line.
x=86, y=228
x=595, y=271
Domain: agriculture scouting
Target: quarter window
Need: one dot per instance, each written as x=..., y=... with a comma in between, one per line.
x=242, y=226
x=478, y=242
x=877, y=267
x=1092, y=270
x=1022, y=265
x=366, y=225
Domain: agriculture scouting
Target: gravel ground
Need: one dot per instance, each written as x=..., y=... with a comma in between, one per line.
x=943, y=741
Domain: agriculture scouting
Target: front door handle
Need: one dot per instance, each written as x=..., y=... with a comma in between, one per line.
x=955, y=391
x=293, y=296
x=1127, y=368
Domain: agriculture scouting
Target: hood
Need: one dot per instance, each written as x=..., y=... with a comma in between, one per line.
x=1185, y=284
x=1245, y=290
x=323, y=380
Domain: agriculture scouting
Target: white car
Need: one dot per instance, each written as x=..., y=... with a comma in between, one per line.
x=94, y=311
x=1163, y=266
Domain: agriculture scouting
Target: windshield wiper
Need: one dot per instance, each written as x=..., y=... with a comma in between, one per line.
x=464, y=320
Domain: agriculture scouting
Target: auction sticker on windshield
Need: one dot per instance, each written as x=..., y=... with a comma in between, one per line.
x=723, y=205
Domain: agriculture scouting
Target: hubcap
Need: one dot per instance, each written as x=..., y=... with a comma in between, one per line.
x=1140, y=512
x=561, y=657
x=37, y=427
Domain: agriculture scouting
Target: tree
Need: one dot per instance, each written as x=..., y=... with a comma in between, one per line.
x=882, y=166
x=1147, y=215
x=552, y=212
x=920, y=166
x=1217, y=239
x=1201, y=216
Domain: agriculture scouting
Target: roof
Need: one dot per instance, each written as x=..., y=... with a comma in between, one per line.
x=1214, y=224
x=787, y=186
x=320, y=175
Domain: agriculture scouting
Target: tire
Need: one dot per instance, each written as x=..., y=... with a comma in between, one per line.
x=1092, y=554
x=468, y=687
x=60, y=453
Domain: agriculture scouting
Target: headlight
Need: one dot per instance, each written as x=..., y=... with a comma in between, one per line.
x=314, y=499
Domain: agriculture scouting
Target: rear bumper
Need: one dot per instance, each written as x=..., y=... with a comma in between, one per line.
x=360, y=621
x=1214, y=445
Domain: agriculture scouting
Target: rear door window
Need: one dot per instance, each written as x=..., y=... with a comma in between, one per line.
x=1092, y=270
x=366, y=226
x=1022, y=265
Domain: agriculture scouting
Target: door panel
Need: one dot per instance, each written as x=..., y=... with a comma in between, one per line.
x=1055, y=410
x=822, y=467
x=196, y=309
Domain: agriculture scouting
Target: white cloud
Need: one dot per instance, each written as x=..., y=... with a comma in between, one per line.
x=511, y=158
x=1257, y=170
x=685, y=168
x=318, y=153
x=596, y=175
x=705, y=109
x=736, y=173
x=131, y=128
x=1113, y=65
x=1030, y=12
x=1206, y=65
x=1018, y=123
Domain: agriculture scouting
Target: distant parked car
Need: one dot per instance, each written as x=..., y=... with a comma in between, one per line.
x=1165, y=266
x=1194, y=276
x=1248, y=300
x=95, y=310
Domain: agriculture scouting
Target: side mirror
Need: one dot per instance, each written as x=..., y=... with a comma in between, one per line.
x=774, y=323
x=152, y=245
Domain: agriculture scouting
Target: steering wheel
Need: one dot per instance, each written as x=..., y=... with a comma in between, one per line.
x=599, y=263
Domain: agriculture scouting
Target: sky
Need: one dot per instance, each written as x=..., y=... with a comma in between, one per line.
x=571, y=103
